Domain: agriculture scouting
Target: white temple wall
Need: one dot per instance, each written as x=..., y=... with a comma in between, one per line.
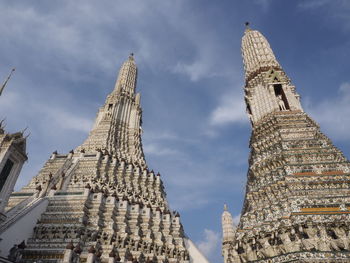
x=22, y=229
x=195, y=255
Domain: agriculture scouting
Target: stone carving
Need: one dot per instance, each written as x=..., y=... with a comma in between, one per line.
x=281, y=103
x=289, y=245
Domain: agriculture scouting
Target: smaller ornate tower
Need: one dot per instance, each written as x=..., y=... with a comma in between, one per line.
x=228, y=231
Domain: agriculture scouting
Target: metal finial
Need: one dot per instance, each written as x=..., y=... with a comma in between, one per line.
x=247, y=27
x=225, y=207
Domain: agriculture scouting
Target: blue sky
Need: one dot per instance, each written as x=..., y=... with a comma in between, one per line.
x=196, y=132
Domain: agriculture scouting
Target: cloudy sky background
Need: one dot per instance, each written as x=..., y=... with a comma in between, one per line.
x=67, y=55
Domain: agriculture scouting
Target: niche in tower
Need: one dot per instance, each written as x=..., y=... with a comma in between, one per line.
x=110, y=107
x=279, y=92
x=5, y=172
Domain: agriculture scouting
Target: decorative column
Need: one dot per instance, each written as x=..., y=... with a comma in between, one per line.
x=112, y=257
x=68, y=253
x=91, y=256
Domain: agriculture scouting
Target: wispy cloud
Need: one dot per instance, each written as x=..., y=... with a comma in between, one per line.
x=310, y=4
x=334, y=114
x=66, y=120
x=158, y=149
x=229, y=111
x=265, y=4
x=236, y=219
x=190, y=198
x=210, y=243
x=337, y=10
x=50, y=118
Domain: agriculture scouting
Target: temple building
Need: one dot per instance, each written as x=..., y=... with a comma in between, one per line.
x=297, y=200
x=97, y=203
x=12, y=157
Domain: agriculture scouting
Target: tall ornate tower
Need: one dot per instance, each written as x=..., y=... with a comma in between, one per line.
x=99, y=203
x=297, y=202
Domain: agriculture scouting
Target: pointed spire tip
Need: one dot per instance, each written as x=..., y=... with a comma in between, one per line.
x=131, y=56
x=247, y=27
x=4, y=84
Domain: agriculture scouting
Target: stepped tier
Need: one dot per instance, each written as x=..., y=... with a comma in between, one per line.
x=105, y=203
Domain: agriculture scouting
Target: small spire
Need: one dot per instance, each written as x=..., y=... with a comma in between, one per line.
x=24, y=130
x=225, y=207
x=131, y=56
x=8, y=78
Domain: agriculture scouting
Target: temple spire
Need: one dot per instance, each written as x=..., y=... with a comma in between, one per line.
x=117, y=125
x=8, y=78
x=126, y=82
x=228, y=232
x=257, y=53
x=228, y=228
x=267, y=87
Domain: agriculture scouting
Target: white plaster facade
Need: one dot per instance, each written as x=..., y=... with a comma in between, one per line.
x=12, y=150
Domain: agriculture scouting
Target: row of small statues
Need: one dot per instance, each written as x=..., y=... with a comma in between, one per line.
x=311, y=238
x=107, y=238
x=17, y=251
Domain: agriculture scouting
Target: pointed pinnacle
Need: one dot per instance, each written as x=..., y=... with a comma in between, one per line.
x=247, y=27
